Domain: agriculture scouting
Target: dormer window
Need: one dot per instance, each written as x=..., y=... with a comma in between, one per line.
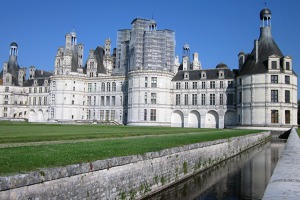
x=186, y=75
x=274, y=64
x=287, y=65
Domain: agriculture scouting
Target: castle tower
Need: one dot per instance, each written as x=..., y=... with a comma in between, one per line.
x=186, y=57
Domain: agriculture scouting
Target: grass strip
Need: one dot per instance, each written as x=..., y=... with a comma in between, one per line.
x=24, y=159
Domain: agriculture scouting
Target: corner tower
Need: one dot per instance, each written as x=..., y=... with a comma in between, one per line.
x=266, y=82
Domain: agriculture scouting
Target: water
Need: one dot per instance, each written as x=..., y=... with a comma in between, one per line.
x=245, y=176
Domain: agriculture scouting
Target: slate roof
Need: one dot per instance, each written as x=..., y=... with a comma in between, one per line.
x=211, y=74
x=99, y=53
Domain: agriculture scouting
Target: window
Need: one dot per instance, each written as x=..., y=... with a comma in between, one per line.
x=73, y=88
x=114, y=86
x=230, y=99
x=102, y=115
x=95, y=87
x=203, y=85
x=94, y=100
x=108, y=87
x=221, y=99
x=194, y=85
x=274, y=116
x=5, y=96
x=153, y=114
x=221, y=84
x=146, y=81
x=34, y=101
x=112, y=115
x=51, y=113
x=230, y=84
x=146, y=97
x=40, y=101
x=5, y=102
x=145, y=114
x=212, y=84
x=6, y=89
x=186, y=99
x=274, y=78
x=72, y=102
x=45, y=101
x=30, y=90
x=108, y=100
x=202, y=99
x=89, y=87
x=154, y=82
x=102, y=87
x=89, y=99
x=113, y=100
x=102, y=100
x=287, y=65
x=274, y=65
x=177, y=85
x=274, y=95
x=186, y=85
x=212, y=99
x=153, y=98
x=194, y=99
x=35, y=90
x=177, y=99
x=287, y=79
x=287, y=96
x=287, y=117
x=40, y=90
x=107, y=115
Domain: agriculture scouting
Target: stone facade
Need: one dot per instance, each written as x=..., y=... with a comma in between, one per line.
x=130, y=177
x=142, y=83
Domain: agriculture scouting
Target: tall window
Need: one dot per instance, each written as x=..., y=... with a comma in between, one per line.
x=146, y=81
x=145, y=114
x=94, y=100
x=107, y=115
x=113, y=100
x=45, y=101
x=112, y=115
x=202, y=99
x=114, y=86
x=102, y=115
x=89, y=87
x=146, y=97
x=287, y=117
x=212, y=84
x=221, y=99
x=153, y=98
x=108, y=100
x=102, y=87
x=108, y=87
x=153, y=114
x=287, y=80
x=186, y=85
x=287, y=65
x=274, y=65
x=89, y=99
x=274, y=96
x=274, y=78
x=221, y=84
x=40, y=90
x=194, y=85
x=203, y=85
x=186, y=99
x=230, y=84
x=212, y=99
x=102, y=100
x=154, y=82
x=287, y=96
x=274, y=116
x=178, y=85
x=177, y=99
x=40, y=100
x=194, y=99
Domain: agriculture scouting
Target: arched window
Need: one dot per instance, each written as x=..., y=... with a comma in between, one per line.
x=102, y=87
x=114, y=86
x=108, y=87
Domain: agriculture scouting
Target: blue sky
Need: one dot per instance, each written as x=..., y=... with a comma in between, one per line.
x=217, y=29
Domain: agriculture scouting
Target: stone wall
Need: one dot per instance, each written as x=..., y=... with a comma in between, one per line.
x=129, y=177
x=285, y=181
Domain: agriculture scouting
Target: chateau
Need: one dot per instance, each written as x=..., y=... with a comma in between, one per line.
x=142, y=82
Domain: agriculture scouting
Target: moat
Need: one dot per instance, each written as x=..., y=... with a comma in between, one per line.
x=245, y=176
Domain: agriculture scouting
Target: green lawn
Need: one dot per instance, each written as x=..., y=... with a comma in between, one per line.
x=114, y=142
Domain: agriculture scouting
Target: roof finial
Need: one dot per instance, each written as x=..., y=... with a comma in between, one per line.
x=265, y=4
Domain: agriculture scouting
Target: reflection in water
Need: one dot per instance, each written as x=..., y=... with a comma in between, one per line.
x=243, y=177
